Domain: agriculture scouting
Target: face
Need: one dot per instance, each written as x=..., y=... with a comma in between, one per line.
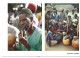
x=24, y=22
x=66, y=11
x=62, y=10
x=75, y=16
x=69, y=17
x=51, y=29
x=19, y=9
x=73, y=11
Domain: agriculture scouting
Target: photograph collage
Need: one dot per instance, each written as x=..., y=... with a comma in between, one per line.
x=61, y=27
x=40, y=29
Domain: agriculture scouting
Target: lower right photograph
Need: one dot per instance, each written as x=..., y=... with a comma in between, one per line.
x=61, y=26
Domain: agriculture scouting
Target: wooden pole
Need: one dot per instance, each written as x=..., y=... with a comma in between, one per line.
x=67, y=30
x=77, y=29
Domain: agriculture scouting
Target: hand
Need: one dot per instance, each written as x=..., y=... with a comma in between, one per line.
x=20, y=35
x=15, y=46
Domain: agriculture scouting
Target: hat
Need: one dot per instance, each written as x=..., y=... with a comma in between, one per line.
x=50, y=27
x=26, y=11
x=32, y=7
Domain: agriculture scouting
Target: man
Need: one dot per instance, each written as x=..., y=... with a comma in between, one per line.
x=69, y=20
x=72, y=15
x=66, y=15
x=75, y=20
x=14, y=17
x=19, y=10
x=48, y=14
x=34, y=19
x=62, y=15
x=75, y=23
x=77, y=12
x=17, y=22
x=56, y=16
x=50, y=37
x=39, y=15
x=33, y=8
x=34, y=38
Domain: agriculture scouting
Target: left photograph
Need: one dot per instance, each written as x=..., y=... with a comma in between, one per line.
x=24, y=27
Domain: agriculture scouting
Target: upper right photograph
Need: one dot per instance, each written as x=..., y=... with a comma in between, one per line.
x=61, y=27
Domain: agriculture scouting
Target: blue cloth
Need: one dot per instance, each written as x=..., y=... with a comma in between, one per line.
x=56, y=17
x=49, y=37
x=62, y=16
x=58, y=37
x=50, y=27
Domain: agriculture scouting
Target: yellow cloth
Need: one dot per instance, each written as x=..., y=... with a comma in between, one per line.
x=39, y=16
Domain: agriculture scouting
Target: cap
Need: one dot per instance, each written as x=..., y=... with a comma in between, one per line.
x=50, y=27
x=32, y=7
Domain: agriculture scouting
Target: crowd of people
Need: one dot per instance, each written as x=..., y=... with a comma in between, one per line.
x=26, y=22
x=37, y=15
x=57, y=22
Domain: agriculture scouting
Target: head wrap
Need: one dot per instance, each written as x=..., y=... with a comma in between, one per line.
x=32, y=7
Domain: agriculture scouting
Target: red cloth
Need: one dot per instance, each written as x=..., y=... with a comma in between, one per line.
x=32, y=7
x=24, y=42
x=54, y=30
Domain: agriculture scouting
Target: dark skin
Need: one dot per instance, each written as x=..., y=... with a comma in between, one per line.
x=52, y=30
x=66, y=11
x=62, y=10
x=27, y=25
x=75, y=16
x=72, y=11
x=31, y=30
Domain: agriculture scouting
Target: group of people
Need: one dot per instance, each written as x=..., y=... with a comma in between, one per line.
x=67, y=21
x=37, y=15
x=30, y=34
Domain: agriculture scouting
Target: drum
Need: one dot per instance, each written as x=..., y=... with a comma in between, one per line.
x=75, y=42
x=66, y=40
x=11, y=39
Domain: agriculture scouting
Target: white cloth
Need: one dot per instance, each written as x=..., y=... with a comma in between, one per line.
x=75, y=22
x=35, y=21
x=72, y=16
x=12, y=18
x=13, y=30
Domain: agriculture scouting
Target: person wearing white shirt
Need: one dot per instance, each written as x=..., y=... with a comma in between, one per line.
x=72, y=15
x=13, y=18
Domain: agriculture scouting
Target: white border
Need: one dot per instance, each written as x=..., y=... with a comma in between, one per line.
x=3, y=30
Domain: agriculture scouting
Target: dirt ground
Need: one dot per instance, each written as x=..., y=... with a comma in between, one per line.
x=60, y=47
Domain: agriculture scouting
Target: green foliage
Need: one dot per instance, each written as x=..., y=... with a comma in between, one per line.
x=13, y=5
